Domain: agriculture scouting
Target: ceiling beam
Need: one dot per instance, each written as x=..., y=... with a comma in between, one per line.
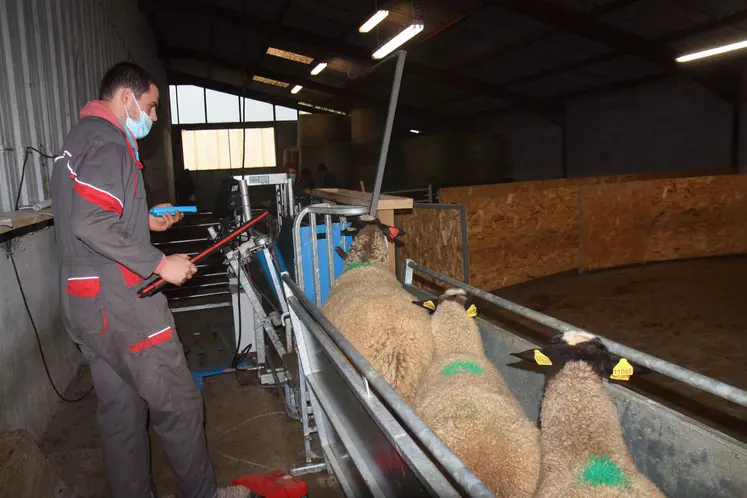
x=180, y=78
x=662, y=40
x=246, y=20
x=586, y=26
x=350, y=98
x=596, y=12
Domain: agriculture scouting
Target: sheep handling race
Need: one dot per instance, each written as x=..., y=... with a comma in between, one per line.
x=408, y=381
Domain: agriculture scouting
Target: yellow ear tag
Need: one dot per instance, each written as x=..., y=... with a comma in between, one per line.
x=541, y=359
x=622, y=371
x=472, y=311
x=429, y=305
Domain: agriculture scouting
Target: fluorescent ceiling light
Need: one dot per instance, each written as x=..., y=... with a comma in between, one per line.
x=417, y=132
x=713, y=51
x=291, y=56
x=404, y=35
x=373, y=21
x=268, y=81
x=296, y=89
x=318, y=68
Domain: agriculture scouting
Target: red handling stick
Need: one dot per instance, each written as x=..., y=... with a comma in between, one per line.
x=159, y=284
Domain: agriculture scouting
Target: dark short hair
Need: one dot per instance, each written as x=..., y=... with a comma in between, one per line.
x=321, y=167
x=125, y=75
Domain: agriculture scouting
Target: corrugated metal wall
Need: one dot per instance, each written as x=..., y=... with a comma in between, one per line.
x=53, y=54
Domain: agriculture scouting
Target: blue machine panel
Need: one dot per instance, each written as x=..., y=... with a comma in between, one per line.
x=308, y=273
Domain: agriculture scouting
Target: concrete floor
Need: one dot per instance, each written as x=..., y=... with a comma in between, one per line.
x=238, y=445
x=691, y=313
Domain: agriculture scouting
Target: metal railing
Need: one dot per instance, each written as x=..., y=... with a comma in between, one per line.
x=452, y=465
x=326, y=210
x=713, y=386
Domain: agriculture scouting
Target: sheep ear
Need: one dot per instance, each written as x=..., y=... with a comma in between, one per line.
x=341, y=252
x=537, y=356
x=428, y=304
x=391, y=232
x=349, y=231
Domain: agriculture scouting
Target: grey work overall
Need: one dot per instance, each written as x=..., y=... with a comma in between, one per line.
x=138, y=366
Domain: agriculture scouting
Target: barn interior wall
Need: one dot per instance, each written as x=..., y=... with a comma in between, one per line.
x=350, y=147
x=672, y=125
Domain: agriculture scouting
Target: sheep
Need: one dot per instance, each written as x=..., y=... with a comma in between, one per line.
x=583, y=451
x=466, y=402
x=372, y=310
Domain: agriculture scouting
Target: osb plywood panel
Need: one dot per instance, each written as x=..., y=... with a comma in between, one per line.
x=521, y=236
x=659, y=220
x=461, y=195
x=433, y=238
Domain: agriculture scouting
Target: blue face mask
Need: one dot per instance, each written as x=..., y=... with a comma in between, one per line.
x=140, y=127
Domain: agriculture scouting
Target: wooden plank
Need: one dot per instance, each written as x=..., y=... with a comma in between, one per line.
x=355, y=198
x=433, y=238
x=23, y=219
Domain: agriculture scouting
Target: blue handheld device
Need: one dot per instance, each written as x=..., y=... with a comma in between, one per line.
x=160, y=211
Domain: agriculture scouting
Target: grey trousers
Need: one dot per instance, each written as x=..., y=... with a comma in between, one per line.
x=164, y=389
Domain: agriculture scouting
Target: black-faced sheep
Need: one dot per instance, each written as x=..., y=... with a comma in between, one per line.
x=466, y=402
x=372, y=310
x=583, y=451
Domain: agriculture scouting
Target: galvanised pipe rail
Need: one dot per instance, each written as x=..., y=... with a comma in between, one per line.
x=713, y=386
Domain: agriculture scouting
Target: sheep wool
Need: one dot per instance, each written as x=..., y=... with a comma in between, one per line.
x=466, y=402
x=583, y=451
x=372, y=310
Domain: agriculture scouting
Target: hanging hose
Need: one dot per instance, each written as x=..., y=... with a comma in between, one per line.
x=292, y=414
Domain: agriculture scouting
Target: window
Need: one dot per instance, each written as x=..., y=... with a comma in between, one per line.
x=197, y=105
x=191, y=104
x=285, y=114
x=221, y=149
x=254, y=111
x=221, y=107
x=174, y=106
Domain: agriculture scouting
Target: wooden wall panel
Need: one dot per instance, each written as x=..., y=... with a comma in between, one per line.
x=521, y=231
x=660, y=220
x=522, y=235
x=461, y=195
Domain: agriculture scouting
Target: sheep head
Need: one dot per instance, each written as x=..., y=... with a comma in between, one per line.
x=453, y=325
x=578, y=346
x=369, y=246
x=371, y=241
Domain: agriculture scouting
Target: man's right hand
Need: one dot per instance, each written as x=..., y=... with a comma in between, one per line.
x=177, y=269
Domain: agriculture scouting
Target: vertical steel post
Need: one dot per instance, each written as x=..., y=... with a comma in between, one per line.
x=388, y=130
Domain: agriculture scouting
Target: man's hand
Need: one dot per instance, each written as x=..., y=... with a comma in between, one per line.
x=163, y=223
x=177, y=269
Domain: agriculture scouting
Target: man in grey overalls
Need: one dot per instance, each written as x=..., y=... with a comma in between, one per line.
x=102, y=226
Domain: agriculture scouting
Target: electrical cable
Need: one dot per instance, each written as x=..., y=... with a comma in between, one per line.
x=38, y=339
x=217, y=439
x=235, y=360
x=26, y=153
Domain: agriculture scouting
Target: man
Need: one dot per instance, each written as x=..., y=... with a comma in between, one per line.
x=102, y=226
x=325, y=178
x=185, y=188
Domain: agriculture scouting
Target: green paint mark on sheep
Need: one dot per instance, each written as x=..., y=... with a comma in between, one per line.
x=355, y=265
x=603, y=471
x=460, y=367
